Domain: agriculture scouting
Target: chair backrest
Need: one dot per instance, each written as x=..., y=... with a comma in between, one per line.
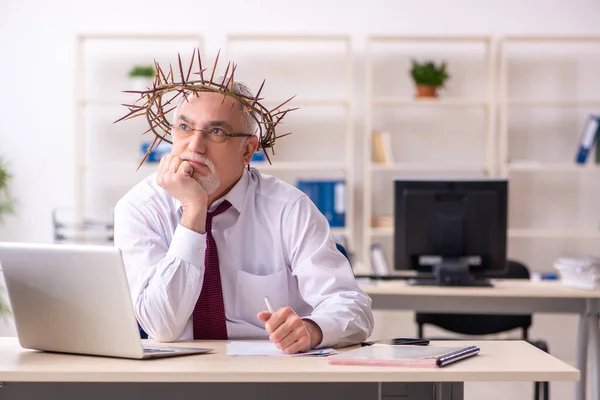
x=515, y=270
x=143, y=333
x=342, y=250
x=482, y=324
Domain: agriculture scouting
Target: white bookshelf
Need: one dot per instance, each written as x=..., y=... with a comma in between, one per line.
x=478, y=101
x=547, y=86
x=318, y=70
x=560, y=65
x=107, y=155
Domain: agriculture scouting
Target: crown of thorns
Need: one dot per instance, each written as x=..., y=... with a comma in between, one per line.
x=152, y=106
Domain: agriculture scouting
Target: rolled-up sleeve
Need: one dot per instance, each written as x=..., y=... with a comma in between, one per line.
x=325, y=278
x=165, y=278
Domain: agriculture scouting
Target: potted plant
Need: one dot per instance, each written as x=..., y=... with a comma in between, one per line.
x=428, y=77
x=141, y=76
x=6, y=207
x=6, y=202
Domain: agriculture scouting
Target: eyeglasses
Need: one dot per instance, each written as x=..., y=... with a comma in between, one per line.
x=215, y=135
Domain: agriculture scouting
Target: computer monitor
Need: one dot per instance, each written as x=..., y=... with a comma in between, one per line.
x=453, y=229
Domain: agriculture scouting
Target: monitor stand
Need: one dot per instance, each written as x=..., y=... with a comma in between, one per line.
x=451, y=273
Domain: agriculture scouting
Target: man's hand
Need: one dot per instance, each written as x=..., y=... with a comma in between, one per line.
x=289, y=332
x=176, y=177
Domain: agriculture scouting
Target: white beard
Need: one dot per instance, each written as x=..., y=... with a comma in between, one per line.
x=209, y=182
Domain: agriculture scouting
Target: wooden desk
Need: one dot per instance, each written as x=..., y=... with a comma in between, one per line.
x=40, y=375
x=506, y=297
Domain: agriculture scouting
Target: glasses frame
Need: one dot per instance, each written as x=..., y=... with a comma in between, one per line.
x=206, y=136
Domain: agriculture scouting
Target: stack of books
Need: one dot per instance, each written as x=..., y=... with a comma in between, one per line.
x=580, y=273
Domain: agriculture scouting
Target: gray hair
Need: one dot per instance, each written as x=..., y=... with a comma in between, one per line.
x=239, y=88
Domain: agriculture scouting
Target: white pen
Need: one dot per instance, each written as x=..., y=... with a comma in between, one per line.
x=269, y=305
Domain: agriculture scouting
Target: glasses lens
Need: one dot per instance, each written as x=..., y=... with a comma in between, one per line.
x=214, y=137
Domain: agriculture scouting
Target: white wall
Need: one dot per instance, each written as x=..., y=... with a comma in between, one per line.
x=37, y=44
x=37, y=49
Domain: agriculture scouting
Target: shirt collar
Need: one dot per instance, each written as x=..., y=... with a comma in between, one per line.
x=236, y=196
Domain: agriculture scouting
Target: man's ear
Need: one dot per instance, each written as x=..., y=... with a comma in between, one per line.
x=250, y=146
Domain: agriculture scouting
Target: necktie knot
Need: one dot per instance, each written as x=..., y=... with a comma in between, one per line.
x=221, y=208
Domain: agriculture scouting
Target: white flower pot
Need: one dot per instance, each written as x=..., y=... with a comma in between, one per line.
x=140, y=83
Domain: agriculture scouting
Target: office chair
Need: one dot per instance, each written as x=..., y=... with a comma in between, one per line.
x=341, y=249
x=483, y=324
x=143, y=334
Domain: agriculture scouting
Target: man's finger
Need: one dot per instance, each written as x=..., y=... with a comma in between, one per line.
x=289, y=325
x=174, y=164
x=161, y=164
x=186, y=168
x=280, y=316
x=287, y=341
x=274, y=321
x=299, y=345
x=263, y=316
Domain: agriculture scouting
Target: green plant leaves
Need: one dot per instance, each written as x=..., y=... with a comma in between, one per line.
x=427, y=73
x=146, y=71
x=6, y=202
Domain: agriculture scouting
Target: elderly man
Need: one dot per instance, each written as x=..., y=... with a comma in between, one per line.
x=205, y=239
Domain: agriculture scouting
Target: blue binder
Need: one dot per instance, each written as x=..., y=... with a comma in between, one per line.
x=588, y=136
x=329, y=197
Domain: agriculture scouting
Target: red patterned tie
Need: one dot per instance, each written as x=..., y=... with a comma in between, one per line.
x=209, y=313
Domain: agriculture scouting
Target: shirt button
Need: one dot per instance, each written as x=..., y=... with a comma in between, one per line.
x=213, y=225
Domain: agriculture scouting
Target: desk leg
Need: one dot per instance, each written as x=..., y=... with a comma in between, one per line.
x=582, y=356
x=594, y=337
x=450, y=391
x=421, y=391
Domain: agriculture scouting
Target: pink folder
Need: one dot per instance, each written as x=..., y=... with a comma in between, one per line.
x=406, y=356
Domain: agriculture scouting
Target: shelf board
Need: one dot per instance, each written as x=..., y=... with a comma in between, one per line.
x=144, y=36
x=438, y=102
x=554, y=233
x=126, y=166
x=518, y=233
x=300, y=166
x=425, y=167
x=288, y=37
x=385, y=231
x=114, y=101
x=340, y=231
x=296, y=102
x=539, y=38
x=426, y=38
x=552, y=167
x=552, y=103
x=107, y=102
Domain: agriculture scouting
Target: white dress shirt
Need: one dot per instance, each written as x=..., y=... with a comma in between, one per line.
x=273, y=242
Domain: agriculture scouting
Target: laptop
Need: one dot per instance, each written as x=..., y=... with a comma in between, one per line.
x=75, y=299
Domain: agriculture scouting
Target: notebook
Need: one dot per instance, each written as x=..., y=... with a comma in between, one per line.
x=408, y=356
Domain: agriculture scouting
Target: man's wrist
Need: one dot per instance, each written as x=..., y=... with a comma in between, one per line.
x=315, y=334
x=194, y=219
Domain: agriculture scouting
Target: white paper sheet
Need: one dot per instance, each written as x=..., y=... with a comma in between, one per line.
x=268, y=349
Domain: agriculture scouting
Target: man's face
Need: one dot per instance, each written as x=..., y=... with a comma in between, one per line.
x=217, y=166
